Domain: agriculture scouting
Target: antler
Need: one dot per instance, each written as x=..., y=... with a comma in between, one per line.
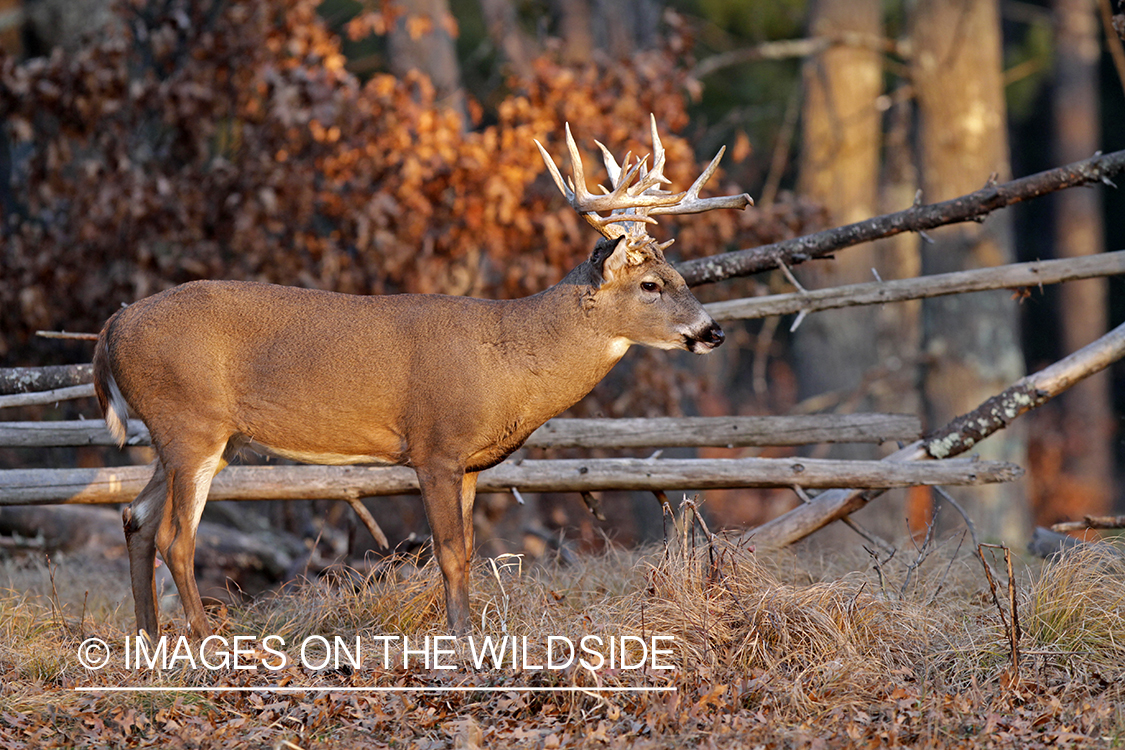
x=637, y=194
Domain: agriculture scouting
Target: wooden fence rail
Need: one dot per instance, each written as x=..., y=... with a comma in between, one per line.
x=669, y=432
x=119, y=485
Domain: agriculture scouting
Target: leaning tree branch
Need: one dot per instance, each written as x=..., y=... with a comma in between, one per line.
x=954, y=438
x=972, y=207
x=785, y=49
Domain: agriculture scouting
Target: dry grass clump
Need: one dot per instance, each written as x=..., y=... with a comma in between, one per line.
x=1076, y=608
x=800, y=647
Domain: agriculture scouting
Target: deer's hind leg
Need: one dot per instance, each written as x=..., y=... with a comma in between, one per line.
x=189, y=484
x=142, y=519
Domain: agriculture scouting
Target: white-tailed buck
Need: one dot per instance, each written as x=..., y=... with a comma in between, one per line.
x=447, y=385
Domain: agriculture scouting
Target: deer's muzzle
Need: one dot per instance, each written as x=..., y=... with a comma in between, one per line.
x=706, y=340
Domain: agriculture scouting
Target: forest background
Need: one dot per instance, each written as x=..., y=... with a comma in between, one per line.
x=383, y=147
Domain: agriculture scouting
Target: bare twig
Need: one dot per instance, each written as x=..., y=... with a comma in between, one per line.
x=593, y=505
x=782, y=147
x=971, y=207
x=948, y=567
x=923, y=553
x=67, y=335
x=1012, y=628
x=960, y=509
x=878, y=565
x=992, y=584
x=368, y=521
x=1111, y=23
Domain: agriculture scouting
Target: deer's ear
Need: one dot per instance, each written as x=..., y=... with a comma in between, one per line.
x=609, y=257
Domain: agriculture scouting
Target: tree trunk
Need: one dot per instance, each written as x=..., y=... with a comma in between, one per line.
x=423, y=39
x=574, y=29
x=971, y=342
x=502, y=23
x=617, y=28
x=839, y=170
x=1088, y=424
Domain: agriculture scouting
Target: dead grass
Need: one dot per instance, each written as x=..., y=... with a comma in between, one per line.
x=769, y=649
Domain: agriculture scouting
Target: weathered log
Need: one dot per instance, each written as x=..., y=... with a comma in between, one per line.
x=64, y=486
x=65, y=433
x=1090, y=522
x=47, y=397
x=873, y=293
x=31, y=379
x=953, y=439
x=576, y=433
x=1046, y=543
x=72, y=530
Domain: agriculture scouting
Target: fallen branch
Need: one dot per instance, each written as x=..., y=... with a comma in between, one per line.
x=1091, y=522
x=1012, y=276
x=31, y=379
x=574, y=433
x=785, y=49
x=972, y=207
x=956, y=437
x=116, y=485
x=47, y=397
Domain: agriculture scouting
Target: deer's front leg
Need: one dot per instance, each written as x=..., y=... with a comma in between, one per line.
x=441, y=486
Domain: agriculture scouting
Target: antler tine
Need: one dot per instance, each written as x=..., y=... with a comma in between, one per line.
x=611, y=163
x=657, y=152
x=579, y=188
x=693, y=204
x=554, y=171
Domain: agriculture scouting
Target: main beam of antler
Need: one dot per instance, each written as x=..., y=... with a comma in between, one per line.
x=972, y=207
x=629, y=203
x=579, y=195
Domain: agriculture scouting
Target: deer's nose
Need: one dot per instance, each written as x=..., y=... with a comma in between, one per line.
x=713, y=335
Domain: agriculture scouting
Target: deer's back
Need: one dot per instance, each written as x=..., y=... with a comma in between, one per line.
x=327, y=377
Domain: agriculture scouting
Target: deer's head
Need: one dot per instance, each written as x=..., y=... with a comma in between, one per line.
x=646, y=297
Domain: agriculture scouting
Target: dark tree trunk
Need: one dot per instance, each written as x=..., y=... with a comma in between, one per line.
x=1079, y=231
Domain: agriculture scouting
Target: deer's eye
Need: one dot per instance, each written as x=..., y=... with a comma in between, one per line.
x=650, y=286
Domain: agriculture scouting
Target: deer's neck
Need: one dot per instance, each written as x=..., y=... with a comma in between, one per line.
x=562, y=345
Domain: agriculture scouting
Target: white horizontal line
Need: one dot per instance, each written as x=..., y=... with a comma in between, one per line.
x=434, y=689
